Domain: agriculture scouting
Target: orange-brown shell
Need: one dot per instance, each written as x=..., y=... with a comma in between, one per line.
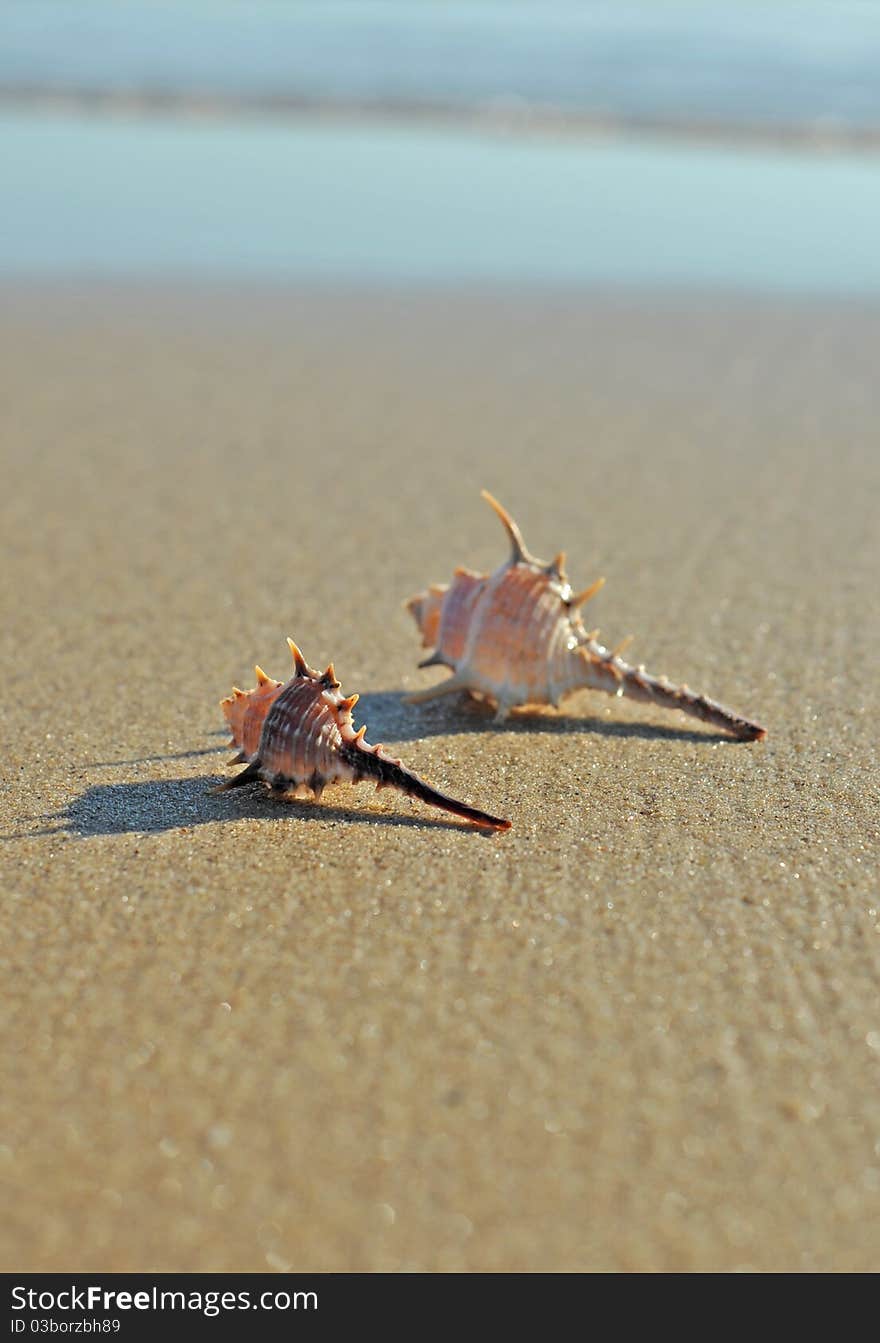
x=515, y=637
x=513, y=632
x=300, y=736
x=304, y=734
x=507, y=636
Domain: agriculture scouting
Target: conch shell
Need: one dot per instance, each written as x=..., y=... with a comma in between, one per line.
x=299, y=736
x=516, y=637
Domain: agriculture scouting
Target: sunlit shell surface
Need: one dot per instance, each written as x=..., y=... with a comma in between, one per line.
x=299, y=736
x=516, y=637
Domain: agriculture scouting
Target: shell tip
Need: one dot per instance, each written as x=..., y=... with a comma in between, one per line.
x=299, y=661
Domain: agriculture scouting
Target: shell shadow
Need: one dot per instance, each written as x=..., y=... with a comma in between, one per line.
x=168, y=755
x=179, y=804
x=389, y=718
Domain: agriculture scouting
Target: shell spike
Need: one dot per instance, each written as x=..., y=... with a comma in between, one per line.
x=583, y=597
x=517, y=543
x=557, y=565
x=603, y=670
x=329, y=677
x=299, y=662
x=262, y=678
x=622, y=646
x=368, y=763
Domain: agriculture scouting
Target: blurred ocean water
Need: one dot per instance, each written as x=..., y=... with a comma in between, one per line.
x=319, y=202
x=126, y=150
x=762, y=64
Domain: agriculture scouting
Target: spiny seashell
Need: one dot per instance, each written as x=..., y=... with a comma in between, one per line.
x=516, y=637
x=300, y=736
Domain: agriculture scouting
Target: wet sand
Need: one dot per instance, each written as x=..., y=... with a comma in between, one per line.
x=640, y=1031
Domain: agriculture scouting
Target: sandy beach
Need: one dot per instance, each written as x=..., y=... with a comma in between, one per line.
x=641, y=1030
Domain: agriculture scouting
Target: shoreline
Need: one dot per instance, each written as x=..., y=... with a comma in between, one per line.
x=501, y=117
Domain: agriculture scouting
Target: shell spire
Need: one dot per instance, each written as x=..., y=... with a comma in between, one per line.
x=515, y=637
x=300, y=736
